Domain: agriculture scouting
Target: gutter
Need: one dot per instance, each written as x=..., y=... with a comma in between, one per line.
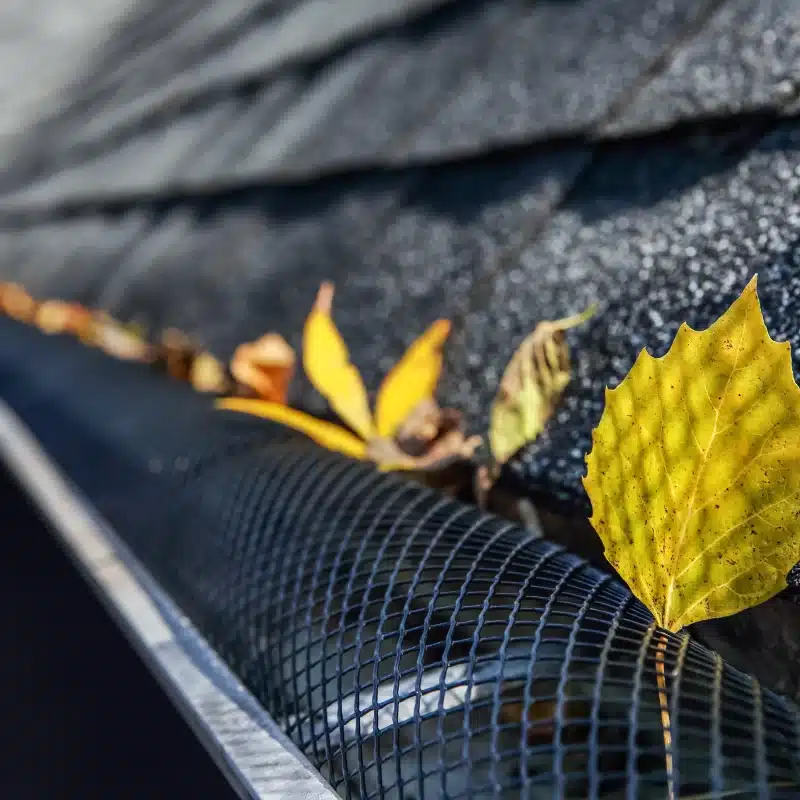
x=245, y=742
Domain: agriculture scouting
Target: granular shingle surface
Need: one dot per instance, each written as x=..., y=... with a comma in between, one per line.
x=482, y=174
x=651, y=260
x=746, y=59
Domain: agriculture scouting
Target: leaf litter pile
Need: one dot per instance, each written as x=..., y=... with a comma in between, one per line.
x=693, y=473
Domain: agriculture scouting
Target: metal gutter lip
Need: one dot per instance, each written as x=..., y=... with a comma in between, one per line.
x=245, y=742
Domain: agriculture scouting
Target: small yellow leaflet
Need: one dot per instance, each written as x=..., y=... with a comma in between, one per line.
x=327, y=364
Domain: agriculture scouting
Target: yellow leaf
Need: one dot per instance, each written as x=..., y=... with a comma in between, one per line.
x=328, y=366
x=531, y=387
x=412, y=380
x=324, y=433
x=694, y=473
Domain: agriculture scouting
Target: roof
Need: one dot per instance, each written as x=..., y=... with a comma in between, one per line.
x=498, y=163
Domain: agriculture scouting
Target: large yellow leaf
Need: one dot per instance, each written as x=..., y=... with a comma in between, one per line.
x=531, y=387
x=328, y=366
x=412, y=380
x=694, y=473
x=325, y=433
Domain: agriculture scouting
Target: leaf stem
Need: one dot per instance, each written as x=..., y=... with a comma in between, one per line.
x=666, y=721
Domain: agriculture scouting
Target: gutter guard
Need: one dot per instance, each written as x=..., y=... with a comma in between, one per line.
x=409, y=646
x=247, y=745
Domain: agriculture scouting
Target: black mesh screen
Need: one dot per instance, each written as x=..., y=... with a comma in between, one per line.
x=412, y=646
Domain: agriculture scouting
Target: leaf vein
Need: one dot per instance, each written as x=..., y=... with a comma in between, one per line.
x=700, y=471
x=726, y=585
x=734, y=528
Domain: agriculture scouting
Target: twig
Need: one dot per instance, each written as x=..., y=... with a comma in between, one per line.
x=666, y=721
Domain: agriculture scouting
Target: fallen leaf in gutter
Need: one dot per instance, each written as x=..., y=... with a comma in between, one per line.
x=176, y=353
x=694, y=481
x=118, y=341
x=531, y=387
x=328, y=366
x=208, y=375
x=411, y=432
x=412, y=381
x=694, y=471
x=451, y=447
x=17, y=303
x=331, y=436
x=264, y=368
x=56, y=316
x=430, y=438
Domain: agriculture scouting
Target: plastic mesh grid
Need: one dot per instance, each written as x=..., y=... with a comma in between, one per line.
x=412, y=646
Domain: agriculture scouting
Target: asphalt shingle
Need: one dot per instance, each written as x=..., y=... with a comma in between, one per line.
x=418, y=81
x=431, y=59
x=648, y=229
x=276, y=249
x=250, y=119
x=557, y=68
x=92, y=253
x=158, y=54
x=441, y=243
x=745, y=59
x=656, y=235
x=162, y=236
x=282, y=35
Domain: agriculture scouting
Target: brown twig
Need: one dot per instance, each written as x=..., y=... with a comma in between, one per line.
x=666, y=721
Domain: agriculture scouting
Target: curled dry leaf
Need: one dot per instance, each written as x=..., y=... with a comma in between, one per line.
x=264, y=368
x=426, y=423
x=531, y=387
x=176, y=352
x=185, y=361
x=431, y=438
x=16, y=303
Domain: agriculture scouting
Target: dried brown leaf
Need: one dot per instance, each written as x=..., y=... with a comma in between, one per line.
x=531, y=387
x=16, y=303
x=430, y=439
x=57, y=316
x=177, y=353
x=265, y=367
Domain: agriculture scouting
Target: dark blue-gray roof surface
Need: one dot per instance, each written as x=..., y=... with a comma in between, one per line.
x=498, y=163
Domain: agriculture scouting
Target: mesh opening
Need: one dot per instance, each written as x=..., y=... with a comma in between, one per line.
x=411, y=646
